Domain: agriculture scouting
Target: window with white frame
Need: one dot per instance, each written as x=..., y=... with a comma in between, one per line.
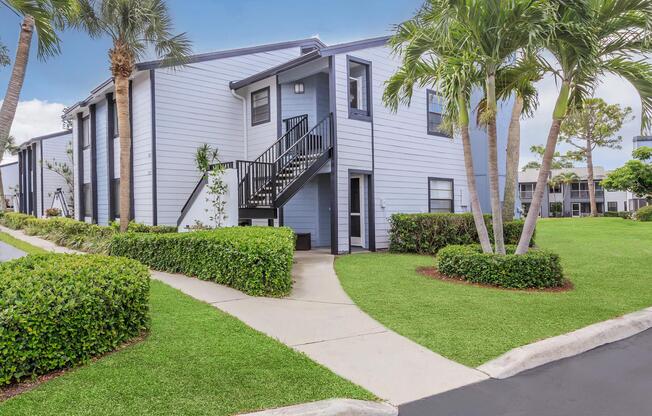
x=86, y=132
x=260, y=108
x=359, y=90
x=612, y=206
x=440, y=195
x=435, y=113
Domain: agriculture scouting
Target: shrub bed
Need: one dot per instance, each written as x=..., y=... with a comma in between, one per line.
x=536, y=269
x=59, y=310
x=428, y=233
x=644, y=214
x=14, y=220
x=255, y=260
x=620, y=214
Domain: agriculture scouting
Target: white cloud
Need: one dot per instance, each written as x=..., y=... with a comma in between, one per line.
x=613, y=90
x=35, y=118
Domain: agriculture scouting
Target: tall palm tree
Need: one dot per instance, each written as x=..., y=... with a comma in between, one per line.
x=8, y=144
x=133, y=26
x=429, y=61
x=589, y=38
x=46, y=17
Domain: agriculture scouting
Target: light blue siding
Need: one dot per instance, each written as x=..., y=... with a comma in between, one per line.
x=102, y=163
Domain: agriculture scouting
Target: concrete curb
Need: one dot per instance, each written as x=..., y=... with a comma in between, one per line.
x=567, y=345
x=333, y=407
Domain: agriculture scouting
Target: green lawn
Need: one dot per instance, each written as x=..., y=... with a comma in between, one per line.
x=19, y=244
x=196, y=361
x=608, y=259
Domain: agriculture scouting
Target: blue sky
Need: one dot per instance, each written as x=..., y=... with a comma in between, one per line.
x=223, y=24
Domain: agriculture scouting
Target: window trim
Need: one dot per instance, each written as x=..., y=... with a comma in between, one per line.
x=612, y=202
x=355, y=114
x=430, y=132
x=84, y=138
x=452, y=181
x=269, y=106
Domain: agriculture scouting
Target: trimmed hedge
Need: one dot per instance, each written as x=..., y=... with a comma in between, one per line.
x=14, y=220
x=255, y=260
x=536, y=269
x=428, y=233
x=644, y=214
x=620, y=214
x=59, y=310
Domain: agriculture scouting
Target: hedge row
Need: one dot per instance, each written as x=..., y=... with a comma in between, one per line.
x=620, y=214
x=644, y=214
x=255, y=260
x=74, y=234
x=535, y=269
x=428, y=233
x=60, y=310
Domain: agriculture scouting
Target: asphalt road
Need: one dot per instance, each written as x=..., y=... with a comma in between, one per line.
x=613, y=380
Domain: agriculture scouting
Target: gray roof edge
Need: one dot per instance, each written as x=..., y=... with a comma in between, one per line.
x=229, y=53
x=4, y=165
x=643, y=138
x=45, y=137
x=293, y=63
x=355, y=45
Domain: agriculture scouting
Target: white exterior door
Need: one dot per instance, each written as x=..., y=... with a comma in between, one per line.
x=356, y=211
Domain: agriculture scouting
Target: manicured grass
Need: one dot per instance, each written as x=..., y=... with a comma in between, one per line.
x=20, y=245
x=608, y=259
x=196, y=361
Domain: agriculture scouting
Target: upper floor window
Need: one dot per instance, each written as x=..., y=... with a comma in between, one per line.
x=260, y=108
x=86, y=132
x=440, y=195
x=359, y=89
x=435, y=112
x=555, y=188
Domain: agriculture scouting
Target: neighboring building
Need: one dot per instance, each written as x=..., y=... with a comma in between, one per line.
x=301, y=129
x=10, y=184
x=39, y=187
x=636, y=202
x=570, y=200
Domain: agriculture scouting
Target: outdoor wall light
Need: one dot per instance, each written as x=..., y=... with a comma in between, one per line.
x=299, y=88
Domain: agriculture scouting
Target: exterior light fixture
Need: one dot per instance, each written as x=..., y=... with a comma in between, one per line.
x=299, y=88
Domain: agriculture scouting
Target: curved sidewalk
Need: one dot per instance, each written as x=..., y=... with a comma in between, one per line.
x=320, y=320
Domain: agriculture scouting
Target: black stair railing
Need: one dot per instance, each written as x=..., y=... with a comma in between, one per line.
x=262, y=180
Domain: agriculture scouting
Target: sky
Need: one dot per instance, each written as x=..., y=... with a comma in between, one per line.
x=223, y=24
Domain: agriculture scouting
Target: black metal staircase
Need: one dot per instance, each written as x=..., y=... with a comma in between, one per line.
x=267, y=183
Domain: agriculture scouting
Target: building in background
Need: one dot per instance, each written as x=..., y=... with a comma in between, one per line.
x=39, y=187
x=10, y=184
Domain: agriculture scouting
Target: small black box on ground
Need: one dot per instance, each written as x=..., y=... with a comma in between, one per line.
x=303, y=242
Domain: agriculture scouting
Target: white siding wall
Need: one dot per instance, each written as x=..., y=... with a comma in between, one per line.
x=405, y=155
x=10, y=178
x=76, y=158
x=101, y=111
x=54, y=150
x=194, y=105
x=142, y=148
x=261, y=136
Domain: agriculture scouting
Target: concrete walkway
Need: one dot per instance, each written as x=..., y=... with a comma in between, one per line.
x=8, y=252
x=320, y=320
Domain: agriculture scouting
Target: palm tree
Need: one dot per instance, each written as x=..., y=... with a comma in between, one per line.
x=589, y=38
x=8, y=144
x=428, y=61
x=46, y=17
x=133, y=26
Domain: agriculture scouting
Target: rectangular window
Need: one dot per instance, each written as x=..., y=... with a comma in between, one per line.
x=88, y=200
x=116, y=126
x=359, y=90
x=86, y=132
x=527, y=190
x=612, y=206
x=440, y=195
x=115, y=189
x=555, y=189
x=260, y=108
x=435, y=112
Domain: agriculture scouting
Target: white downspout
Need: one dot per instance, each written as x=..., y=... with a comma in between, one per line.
x=244, y=121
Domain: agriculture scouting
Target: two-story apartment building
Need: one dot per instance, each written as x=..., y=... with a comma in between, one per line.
x=38, y=187
x=300, y=127
x=572, y=199
x=10, y=184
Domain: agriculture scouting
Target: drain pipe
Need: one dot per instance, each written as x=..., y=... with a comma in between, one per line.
x=244, y=121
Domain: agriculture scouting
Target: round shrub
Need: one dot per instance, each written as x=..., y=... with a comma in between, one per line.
x=59, y=310
x=644, y=214
x=536, y=269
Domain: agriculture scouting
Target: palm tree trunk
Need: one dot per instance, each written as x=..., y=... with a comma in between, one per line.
x=476, y=209
x=558, y=115
x=590, y=179
x=513, y=155
x=494, y=188
x=10, y=102
x=122, y=103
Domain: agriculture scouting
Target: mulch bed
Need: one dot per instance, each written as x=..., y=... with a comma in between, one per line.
x=433, y=273
x=15, y=389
